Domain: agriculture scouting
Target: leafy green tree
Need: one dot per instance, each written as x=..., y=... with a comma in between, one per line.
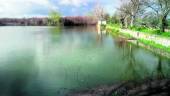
x=162, y=10
x=54, y=18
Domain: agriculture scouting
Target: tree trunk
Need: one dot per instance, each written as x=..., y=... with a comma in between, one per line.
x=132, y=21
x=163, y=24
x=126, y=22
x=122, y=20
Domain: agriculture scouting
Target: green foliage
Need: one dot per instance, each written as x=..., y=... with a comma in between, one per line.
x=114, y=28
x=55, y=33
x=54, y=18
x=103, y=27
x=141, y=29
x=115, y=94
x=153, y=44
x=150, y=31
x=55, y=30
x=127, y=35
x=114, y=25
x=166, y=34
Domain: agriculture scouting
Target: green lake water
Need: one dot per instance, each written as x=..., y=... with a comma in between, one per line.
x=48, y=61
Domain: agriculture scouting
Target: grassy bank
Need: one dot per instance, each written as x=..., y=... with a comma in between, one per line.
x=151, y=31
x=112, y=28
x=155, y=45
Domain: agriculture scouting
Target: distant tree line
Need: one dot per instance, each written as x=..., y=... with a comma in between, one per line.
x=78, y=20
x=54, y=21
x=23, y=22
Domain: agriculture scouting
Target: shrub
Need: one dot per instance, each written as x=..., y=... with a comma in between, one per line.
x=166, y=34
x=157, y=31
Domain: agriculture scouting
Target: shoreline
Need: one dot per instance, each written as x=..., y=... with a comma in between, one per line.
x=157, y=87
x=154, y=43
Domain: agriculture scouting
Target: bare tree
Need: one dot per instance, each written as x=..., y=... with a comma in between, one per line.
x=131, y=8
x=99, y=12
x=115, y=18
x=123, y=19
x=161, y=9
x=124, y=13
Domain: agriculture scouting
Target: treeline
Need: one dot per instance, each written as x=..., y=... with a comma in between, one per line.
x=23, y=22
x=144, y=13
x=78, y=20
x=66, y=21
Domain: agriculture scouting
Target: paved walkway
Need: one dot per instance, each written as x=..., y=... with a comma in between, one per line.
x=139, y=35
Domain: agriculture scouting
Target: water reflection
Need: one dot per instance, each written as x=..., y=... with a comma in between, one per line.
x=134, y=69
x=16, y=74
x=158, y=72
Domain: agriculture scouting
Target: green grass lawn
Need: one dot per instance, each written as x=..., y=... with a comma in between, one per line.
x=151, y=31
x=153, y=44
x=115, y=28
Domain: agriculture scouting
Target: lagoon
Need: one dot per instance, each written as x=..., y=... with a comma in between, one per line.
x=49, y=61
